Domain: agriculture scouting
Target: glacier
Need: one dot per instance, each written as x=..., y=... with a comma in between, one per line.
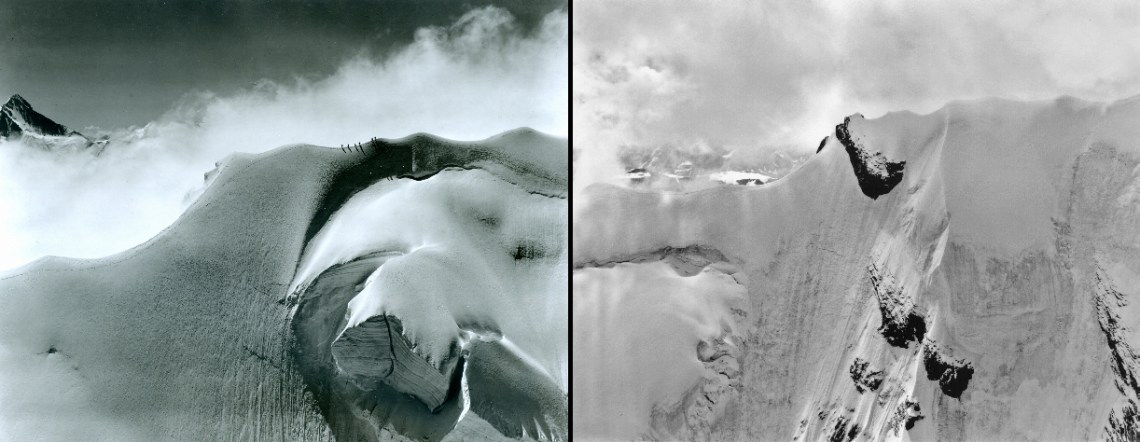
x=407, y=289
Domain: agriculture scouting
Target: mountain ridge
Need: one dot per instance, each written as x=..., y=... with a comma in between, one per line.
x=989, y=236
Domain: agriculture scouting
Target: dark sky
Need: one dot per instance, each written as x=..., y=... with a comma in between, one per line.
x=113, y=63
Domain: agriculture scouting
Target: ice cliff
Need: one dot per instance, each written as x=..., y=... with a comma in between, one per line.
x=969, y=274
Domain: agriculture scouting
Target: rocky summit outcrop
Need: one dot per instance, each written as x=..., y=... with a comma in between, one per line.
x=876, y=174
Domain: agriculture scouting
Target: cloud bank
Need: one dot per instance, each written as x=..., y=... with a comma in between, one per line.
x=751, y=76
x=477, y=77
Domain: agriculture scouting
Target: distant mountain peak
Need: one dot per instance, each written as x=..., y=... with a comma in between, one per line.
x=17, y=117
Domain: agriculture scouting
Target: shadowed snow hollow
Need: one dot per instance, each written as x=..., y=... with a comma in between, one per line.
x=405, y=289
x=963, y=275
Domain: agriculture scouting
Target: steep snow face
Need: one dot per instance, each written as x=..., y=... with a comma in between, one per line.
x=973, y=286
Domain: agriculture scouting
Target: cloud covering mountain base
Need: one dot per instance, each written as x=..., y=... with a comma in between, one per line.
x=482, y=75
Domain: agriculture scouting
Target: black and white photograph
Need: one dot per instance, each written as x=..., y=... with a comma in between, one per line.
x=855, y=220
x=284, y=220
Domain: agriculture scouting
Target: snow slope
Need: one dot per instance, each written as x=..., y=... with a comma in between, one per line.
x=990, y=284
x=209, y=332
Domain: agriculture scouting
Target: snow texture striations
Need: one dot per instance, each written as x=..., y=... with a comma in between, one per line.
x=985, y=294
x=410, y=289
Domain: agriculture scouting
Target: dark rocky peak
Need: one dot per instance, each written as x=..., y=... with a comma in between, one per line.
x=18, y=117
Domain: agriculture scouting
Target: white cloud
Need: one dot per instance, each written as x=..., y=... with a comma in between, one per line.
x=762, y=75
x=473, y=79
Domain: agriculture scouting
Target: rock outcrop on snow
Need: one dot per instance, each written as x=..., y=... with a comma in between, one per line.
x=865, y=379
x=991, y=284
x=953, y=375
x=907, y=413
x=877, y=176
x=1123, y=423
x=901, y=324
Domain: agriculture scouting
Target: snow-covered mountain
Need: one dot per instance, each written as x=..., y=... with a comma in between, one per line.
x=17, y=117
x=410, y=289
x=970, y=274
x=19, y=121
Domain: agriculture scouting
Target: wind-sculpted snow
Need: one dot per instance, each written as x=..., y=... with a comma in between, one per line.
x=409, y=289
x=989, y=246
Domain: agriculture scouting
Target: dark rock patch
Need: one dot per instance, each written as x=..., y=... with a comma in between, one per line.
x=865, y=379
x=822, y=143
x=953, y=375
x=907, y=413
x=749, y=181
x=843, y=433
x=1125, y=427
x=901, y=323
x=876, y=174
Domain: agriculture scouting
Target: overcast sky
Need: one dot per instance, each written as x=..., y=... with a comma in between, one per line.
x=751, y=75
x=117, y=63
